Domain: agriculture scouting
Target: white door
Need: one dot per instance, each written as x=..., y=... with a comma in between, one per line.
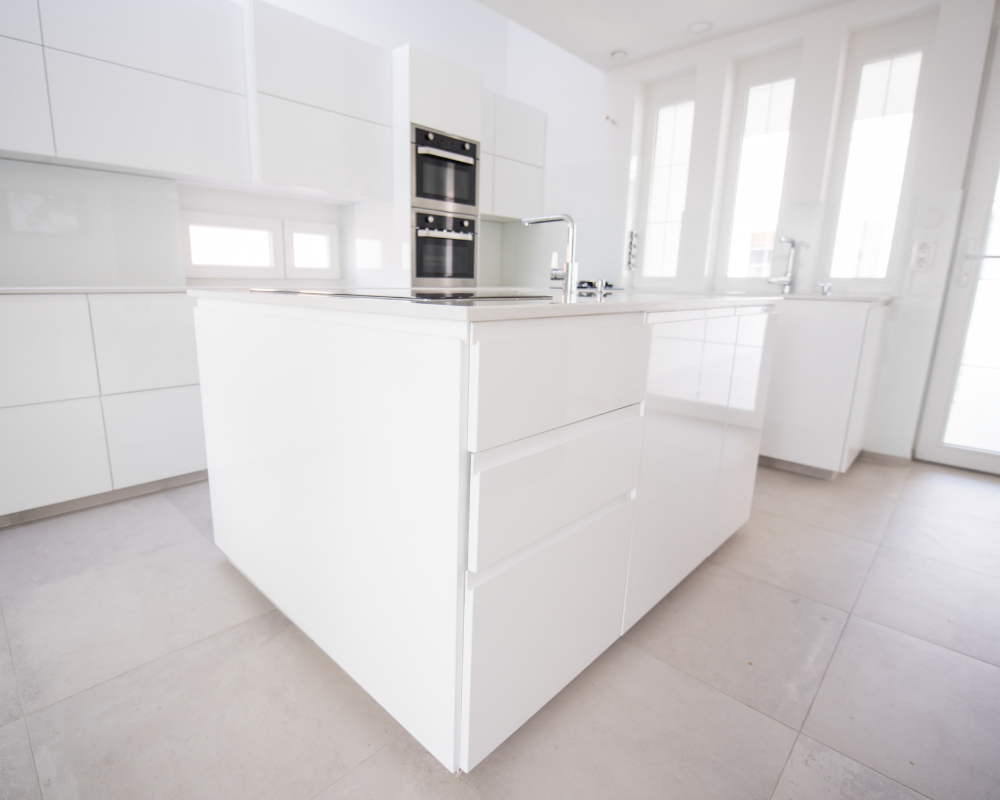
x=961, y=419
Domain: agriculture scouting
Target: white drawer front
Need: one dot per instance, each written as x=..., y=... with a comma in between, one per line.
x=520, y=497
x=536, y=375
x=534, y=627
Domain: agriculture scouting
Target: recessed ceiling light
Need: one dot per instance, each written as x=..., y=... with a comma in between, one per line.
x=700, y=27
x=619, y=53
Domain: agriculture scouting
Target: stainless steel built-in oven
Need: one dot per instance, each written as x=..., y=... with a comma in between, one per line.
x=445, y=174
x=444, y=249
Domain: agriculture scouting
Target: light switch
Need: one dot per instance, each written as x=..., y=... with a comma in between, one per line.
x=923, y=255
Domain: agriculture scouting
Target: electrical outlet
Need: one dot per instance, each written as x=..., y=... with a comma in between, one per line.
x=923, y=255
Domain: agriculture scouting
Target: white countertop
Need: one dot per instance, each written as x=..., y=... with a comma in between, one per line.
x=871, y=299
x=481, y=310
x=90, y=289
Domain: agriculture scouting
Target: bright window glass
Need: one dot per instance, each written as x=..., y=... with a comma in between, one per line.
x=668, y=189
x=213, y=246
x=761, y=175
x=880, y=138
x=311, y=250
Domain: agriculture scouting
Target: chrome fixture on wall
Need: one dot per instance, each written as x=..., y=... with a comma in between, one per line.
x=785, y=281
x=568, y=274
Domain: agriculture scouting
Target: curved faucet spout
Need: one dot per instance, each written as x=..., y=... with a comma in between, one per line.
x=785, y=281
x=568, y=274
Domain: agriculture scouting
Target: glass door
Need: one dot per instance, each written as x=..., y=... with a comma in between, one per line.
x=961, y=420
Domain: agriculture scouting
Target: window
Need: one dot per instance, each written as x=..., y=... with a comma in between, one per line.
x=668, y=189
x=761, y=175
x=876, y=160
x=215, y=246
x=311, y=250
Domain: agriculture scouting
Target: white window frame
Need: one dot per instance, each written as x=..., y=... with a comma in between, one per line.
x=679, y=89
x=276, y=270
x=769, y=68
x=291, y=227
x=879, y=44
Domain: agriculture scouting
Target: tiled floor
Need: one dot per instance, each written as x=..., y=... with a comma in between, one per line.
x=845, y=643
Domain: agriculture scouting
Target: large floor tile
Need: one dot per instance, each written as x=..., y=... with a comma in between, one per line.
x=757, y=643
x=10, y=701
x=823, y=566
x=52, y=549
x=916, y=712
x=17, y=768
x=632, y=727
x=947, y=536
x=815, y=772
x=867, y=476
x=403, y=770
x=972, y=494
x=947, y=605
x=824, y=504
x=70, y=635
x=193, y=502
x=256, y=711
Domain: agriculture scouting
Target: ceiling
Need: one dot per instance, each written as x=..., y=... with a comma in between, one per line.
x=593, y=29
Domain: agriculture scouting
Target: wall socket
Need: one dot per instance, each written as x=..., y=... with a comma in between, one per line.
x=922, y=258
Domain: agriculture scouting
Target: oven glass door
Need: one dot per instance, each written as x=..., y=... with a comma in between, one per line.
x=445, y=179
x=443, y=255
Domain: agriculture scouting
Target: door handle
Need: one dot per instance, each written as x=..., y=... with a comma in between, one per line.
x=430, y=234
x=433, y=151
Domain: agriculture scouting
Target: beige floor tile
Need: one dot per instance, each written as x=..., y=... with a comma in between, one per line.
x=632, y=727
x=946, y=536
x=70, y=635
x=867, y=476
x=918, y=713
x=764, y=646
x=937, y=602
x=815, y=772
x=17, y=768
x=970, y=493
x=52, y=549
x=823, y=566
x=403, y=770
x=193, y=502
x=10, y=700
x=256, y=711
x=824, y=504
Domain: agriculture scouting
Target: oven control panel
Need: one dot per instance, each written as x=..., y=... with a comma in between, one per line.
x=428, y=221
x=439, y=141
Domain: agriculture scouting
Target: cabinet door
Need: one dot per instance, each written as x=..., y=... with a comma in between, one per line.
x=871, y=349
x=534, y=627
x=487, y=168
x=517, y=189
x=487, y=139
x=444, y=95
x=25, y=125
x=520, y=132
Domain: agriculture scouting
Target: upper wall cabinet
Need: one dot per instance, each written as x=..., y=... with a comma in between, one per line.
x=302, y=60
x=517, y=189
x=19, y=20
x=200, y=41
x=443, y=95
x=115, y=115
x=519, y=132
x=488, y=140
x=25, y=125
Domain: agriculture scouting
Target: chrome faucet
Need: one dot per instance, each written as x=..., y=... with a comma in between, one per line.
x=785, y=281
x=568, y=273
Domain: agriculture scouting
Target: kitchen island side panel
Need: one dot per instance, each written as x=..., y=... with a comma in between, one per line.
x=338, y=473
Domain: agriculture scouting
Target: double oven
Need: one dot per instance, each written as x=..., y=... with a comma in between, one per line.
x=445, y=209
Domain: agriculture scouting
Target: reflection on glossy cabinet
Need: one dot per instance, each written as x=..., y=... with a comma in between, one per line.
x=486, y=172
x=517, y=189
x=25, y=124
x=520, y=132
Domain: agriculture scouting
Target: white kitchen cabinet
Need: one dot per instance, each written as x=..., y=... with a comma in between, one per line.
x=824, y=371
x=25, y=125
x=298, y=59
x=154, y=435
x=46, y=351
x=517, y=189
x=317, y=149
x=486, y=172
x=534, y=627
x=19, y=20
x=443, y=95
x=144, y=341
x=200, y=41
x=487, y=141
x=520, y=132
x=52, y=452
x=111, y=114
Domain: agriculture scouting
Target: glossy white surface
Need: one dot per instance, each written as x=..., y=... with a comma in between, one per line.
x=153, y=435
x=517, y=189
x=144, y=341
x=310, y=147
x=19, y=20
x=487, y=141
x=487, y=171
x=520, y=132
x=52, y=452
x=111, y=114
x=302, y=60
x=146, y=36
x=25, y=125
x=444, y=95
x=47, y=352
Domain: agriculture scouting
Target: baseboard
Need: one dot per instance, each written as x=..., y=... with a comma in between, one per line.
x=885, y=460
x=80, y=503
x=801, y=469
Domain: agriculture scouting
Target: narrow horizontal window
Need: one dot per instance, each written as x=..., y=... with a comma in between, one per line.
x=310, y=250
x=668, y=189
x=214, y=246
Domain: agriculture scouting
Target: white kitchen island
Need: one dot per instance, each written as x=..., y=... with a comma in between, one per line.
x=465, y=503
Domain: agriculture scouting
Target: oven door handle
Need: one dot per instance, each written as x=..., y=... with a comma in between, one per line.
x=433, y=151
x=432, y=234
